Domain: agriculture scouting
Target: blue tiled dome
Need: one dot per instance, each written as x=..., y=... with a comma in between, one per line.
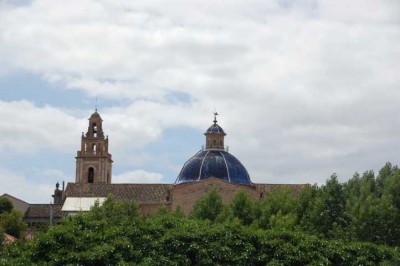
x=214, y=163
x=215, y=129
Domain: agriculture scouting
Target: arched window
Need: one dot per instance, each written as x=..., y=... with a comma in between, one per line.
x=94, y=148
x=90, y=175
x=94, y=127
x=214, y=143
x=220, y=143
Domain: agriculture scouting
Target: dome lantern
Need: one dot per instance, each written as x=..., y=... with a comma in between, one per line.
x=215, y=136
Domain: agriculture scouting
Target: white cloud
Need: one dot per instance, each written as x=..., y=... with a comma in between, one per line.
x=138, y=176
x=301, y=85
x=26, y=128
x=51, y=173
x=20, y=186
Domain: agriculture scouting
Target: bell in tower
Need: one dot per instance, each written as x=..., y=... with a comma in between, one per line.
x=93, y=162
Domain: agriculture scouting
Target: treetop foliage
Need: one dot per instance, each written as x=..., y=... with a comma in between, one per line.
x=350, y=223
x=169, y=238
x=10, y=220
x=364, y=208
x=5, y=205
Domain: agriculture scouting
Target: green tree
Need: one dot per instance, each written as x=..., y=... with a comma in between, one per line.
x=371, y=206
x=391, y=201
x=312, y=219
x=333, y=217
x=386, y=172
x=352, y=191
x=179, y=212
x=305, y=200
x=242, y=207
x=114, y=234
x=226, y=215
x=115, y=212
x=209, y=206
x=100, y=237
x=1, y=237
x=280, y=199
x=326, y=212
x=284, y=222
x=12, y=223
x=352, y=188
x=166, y=239
x=368, y=185
x=5, y=205
x=391, y=188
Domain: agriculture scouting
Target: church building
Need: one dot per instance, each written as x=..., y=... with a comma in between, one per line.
x=211, y=167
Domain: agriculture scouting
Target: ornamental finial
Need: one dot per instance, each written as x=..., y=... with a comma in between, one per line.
x=215, y=118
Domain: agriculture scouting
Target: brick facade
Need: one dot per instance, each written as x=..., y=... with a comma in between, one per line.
x=185, y=195
x=151, y=197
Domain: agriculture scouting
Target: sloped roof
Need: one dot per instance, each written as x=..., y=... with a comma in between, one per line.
x=8, y=239
x=43, y=211
x=8, y=196
x=18, y=204
x=141, y=193
x=80, y=204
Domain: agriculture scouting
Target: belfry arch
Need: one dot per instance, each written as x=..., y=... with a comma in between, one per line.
x=90, y=175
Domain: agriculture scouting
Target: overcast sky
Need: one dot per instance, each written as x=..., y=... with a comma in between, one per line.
x=304, y=89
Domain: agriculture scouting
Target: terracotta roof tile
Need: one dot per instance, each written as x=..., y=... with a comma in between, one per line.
x=141, y=193
x=8, y=239
x=43, y=210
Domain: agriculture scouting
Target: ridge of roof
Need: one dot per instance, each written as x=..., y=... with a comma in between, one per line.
x=6, y=194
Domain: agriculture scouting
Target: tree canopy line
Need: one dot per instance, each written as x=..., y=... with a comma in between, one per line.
x=10, y=220
x=350, y=223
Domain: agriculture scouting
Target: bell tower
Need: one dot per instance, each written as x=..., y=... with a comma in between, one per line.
x=93, y=162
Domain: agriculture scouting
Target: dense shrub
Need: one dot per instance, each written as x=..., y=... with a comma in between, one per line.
x=351, y=223
x=109, y=235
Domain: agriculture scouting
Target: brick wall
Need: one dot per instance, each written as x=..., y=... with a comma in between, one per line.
x=185, y=195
